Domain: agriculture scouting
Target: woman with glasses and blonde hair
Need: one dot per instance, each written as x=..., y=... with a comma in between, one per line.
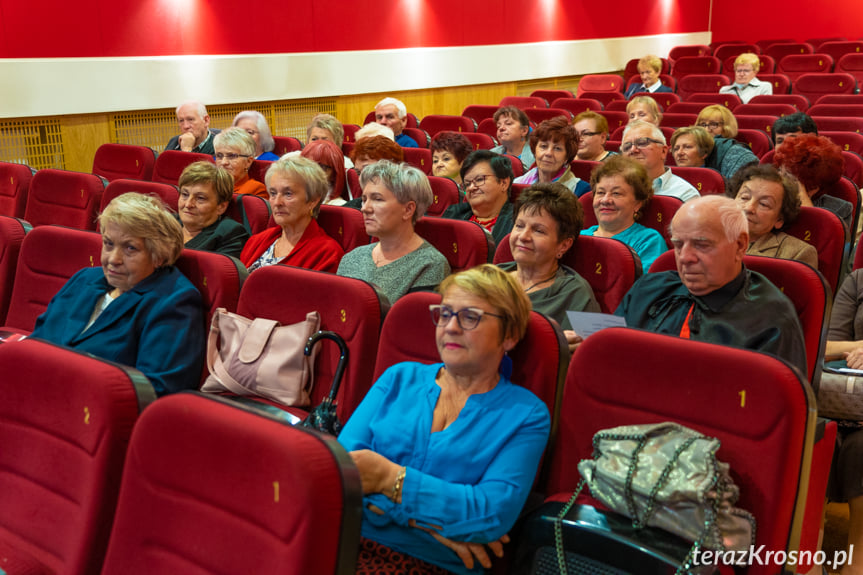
x=746, y=86
x=728, y=155
x=447, y=452
x=235, y=151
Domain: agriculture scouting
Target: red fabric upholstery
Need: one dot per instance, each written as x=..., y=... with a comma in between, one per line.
x=352, y=308
x=771, y=109
x=841, y=99
x=251, y=211
x=848, y=141
x=693, y=106
x=847, y=190
x=853, y=167
x=779, y=50
x=419, y=158
x=518, y=169
x=664, y=99
x=615, y=119
x=523, y=102
x=820, y=109
x=345, y=225
x=656, y=215
x=688, y=65
x=539, y=115
x=171, y=163
x=49, y=256
x=258, y=170
x=418, y=135
x=479, y=112
x=764, y=44
x=480, y=141
x=619, y=105
x=446, y=194
x=765, y=420
x=12, y=232
x=795, y=65
x=819, y=473
x=210, y=487
x=837, y=49
x=464, y=244
x=603, y=97
x=761, y=122
x=678, y=120
x=726, y=51
x=608, y=265
x=64, y=198
x=487, y=127
x=166, y=192
x=781, y=83
x=577, y=105
x=758, y=141
x=601, y=83
x=851, y=64
x=800, y=102
x=689, y=51
x=65, y=422
x=285, y=144
x=352, y=178
x=700, y=83
x=839, y=124
x=14, y=188
x=584, y=168
x=124, y=161
x=350, y=130
x=814, y=86
x=434, y=123
x=551, y=95
x=706, y=181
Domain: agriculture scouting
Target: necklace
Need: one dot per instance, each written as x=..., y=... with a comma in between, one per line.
x=549, y=278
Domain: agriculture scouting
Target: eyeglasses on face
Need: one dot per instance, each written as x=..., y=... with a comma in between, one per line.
x=639, y=143
x=586, y=134
x=710, y=125
x=230, y=157
x=743, y=70
x=468, y=318
x=478, y=181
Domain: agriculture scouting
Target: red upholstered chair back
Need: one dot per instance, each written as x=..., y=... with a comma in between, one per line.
x=12, y=232
x=851, y=64
x=615, y=119
x=601, y=83
x=539, y=115
x=771, y=109
x=350, y=130
x=755, y=404
x=800, y=102
x=251, y=211
x=479, y=112
x=434, y=123
x=65, y=422
x=848, y=141
x=691, y=106
x=820, y=109
x=285, y=144
x=605, y=97
x=678, y=120
x=608, y=265
x=843, y=123
x=352, y=308
x=420, y=136
x=795, y=65
x=49, y=256
x=352, y=177
x=124, y=161
x=166, y=192
x=779, y=50
x=14, y=188
x=577, y=105
x=552, y=95
x=584, y=168
x=64, y=198
x=763, y=122
x=523, y=102
x=420, y=158
x=664, y=99
x=757, y=140
x=733, y=50
x=824, y=230
x=656, y=215
x=345, y=225
x=210, y=486
x=480, y=141
x=708, y=182
x=464, y=244
x=689, y=65
x=445, y=193
x=700, y=83
x=838, y=48
x=171, y=163
x=813, y=86
x=258, y=170
x=688, y=51
x=487, y=126
x=780, y=82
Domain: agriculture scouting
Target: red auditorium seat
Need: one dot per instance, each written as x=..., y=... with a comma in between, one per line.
x=814, y=86
x=700, y=83
x=795, y=65
x=839, y=124
x=518, y=169
x=285, y=144
x=824, y=230
x=853, y=167
x=345, y=225
x=480, y=141
x=600, y=83
x=768, y=66
x=49, y=256
x=730, y=101
x=551, y=95
x=523, y=102
x=445, y=193
x=733, y=50
x=761, y=122
x=214, y=487
x=419, y=136
x=780, y=82
x=769, y=450
x=350, y=130
x=708, y=182
x=781, y=49
x=124, y=161
x=690, y=107
x=434, y=123
x=166, y=192
x=14, y=188
x=516, y=191
x=820, y=109
x=816, y=42
x=608, y=265
x=678, y=120
x=838, y=48
x=347, y=148
x=479, y=112
x=689, y=51
x=487, y=127
x=420, y=158
x=350, y=307
x=771, y=109
x=848, y=141
x=764, y=44
x=258, y=170
x=757, y=140
x=539, y=115
x=171, y=163
x=251, y=211
x=689, y=65
x=12, y=232
x=64, y=198
x=352, y=178
x=664, y=99
x=604, y=98
x=464, y=244
x=615, y=119
x=65, y=422
x=656, y=215
x=800, y=102
x=851, y=64
x=619, y=105
x=577, y=105
x=583, y=168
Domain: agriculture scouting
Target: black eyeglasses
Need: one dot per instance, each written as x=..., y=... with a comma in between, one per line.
x=711, y=125
x=640, y=143
x=586, y=134
x=468, y=318
x=478, y=181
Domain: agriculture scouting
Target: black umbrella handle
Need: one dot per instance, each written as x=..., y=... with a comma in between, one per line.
x=343, y=357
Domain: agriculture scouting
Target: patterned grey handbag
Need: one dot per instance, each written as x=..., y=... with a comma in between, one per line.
x=840, y=396
x=667, y=476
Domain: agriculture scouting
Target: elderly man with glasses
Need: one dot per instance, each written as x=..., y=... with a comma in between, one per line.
x=645, y=143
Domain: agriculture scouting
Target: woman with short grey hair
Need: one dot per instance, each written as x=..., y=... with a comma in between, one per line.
x=255, y=124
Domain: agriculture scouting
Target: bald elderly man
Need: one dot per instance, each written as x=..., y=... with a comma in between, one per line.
x=712, y=297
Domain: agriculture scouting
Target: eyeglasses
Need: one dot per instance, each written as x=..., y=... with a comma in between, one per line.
x=711, y=125
x=640, y=143
x=230, y=157
x=743, y=70
x=586, y=134
x=468, y=318
x=478, y=181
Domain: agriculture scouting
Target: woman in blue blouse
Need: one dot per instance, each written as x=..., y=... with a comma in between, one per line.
x=447, y=452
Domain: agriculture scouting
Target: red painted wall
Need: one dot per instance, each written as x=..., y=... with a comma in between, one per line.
x=95, y=28
x=766, y=19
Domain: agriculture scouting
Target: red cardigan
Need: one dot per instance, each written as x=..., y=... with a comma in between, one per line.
x=315, y=250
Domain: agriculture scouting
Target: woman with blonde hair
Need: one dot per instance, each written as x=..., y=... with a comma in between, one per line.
x=649, y=68
x=728, y=155
x=746, y=86
x=644, y=108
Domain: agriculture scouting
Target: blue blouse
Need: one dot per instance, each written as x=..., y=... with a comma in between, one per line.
x=472, y=478
x=647, y=242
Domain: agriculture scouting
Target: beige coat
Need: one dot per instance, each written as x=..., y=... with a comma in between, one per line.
x=781, y=245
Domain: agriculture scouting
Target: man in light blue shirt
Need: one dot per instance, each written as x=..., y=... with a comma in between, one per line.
x=645, y=143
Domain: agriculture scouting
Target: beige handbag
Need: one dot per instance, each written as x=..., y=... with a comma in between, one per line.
x=260, y=357
x=840, y=396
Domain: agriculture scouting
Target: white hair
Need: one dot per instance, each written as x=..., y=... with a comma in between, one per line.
x=375, y=129
x=400, y=106
x=201, y=109
x=655, y=132
x=267, y=142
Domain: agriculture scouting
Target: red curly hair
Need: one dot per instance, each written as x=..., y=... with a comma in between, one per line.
x=814, y=160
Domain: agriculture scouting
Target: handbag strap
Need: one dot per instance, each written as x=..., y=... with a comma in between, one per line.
x=558, y=528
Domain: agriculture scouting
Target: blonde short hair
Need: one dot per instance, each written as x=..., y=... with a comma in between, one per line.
x=655, y=62
x=648, y=102
x=748, y=58
x=329, y=123
x=146, y=217
x=729, y=122
x=500, y=290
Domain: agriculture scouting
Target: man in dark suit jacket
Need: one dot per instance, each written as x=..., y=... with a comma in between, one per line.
x=196, y=135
